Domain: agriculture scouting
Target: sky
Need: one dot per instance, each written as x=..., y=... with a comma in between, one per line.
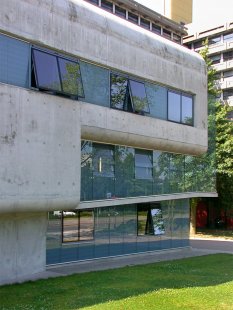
x=206, y=13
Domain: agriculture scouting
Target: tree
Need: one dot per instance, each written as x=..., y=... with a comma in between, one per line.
x=220, y=139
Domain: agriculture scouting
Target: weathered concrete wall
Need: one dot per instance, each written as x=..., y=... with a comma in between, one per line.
x=118, y=127
x=40, y=151
x=22, y=244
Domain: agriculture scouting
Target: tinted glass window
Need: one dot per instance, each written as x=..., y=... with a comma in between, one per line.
x=133, y=18
x=77, y=225
x=228, y=37
x=138, y=96
x=215, y=59
x=103, y=160
x=150, y=220
x=46, y=68
x=173, y=106
x=197, y=44
x=214, y=40
x=176, y=38
x=143, y=164
x=118, y=91
x=145, y=23
x=120, y=12
x=187, y=110
x=156, y=29
x=70, y=77
x=167, y=34
x=107, y=5
x=228, y=55
x=227, y=74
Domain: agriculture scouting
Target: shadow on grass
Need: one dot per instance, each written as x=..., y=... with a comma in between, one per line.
x=87, y=289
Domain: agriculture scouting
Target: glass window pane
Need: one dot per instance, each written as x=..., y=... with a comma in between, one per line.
x=228, y=56
x=118, y=91
x=157, y=100
x=215, y=59
x=70, y=226
x=86, y=226
x=138, y=96
x=228, y=37
x=70, y=77
x=187, y=110
x=167, y=34
x=120, y=11
x=103, y=160
x=173, y=107
x=176, y=38
x=156, y=29
x=107, y=5
x=157, y=219
x=145, y=23
x=143, y=164
x=214, y=40
x=46, y=71
x=198, y=44
x=133, y=18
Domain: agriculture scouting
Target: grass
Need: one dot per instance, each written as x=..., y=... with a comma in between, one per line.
x=204, y=282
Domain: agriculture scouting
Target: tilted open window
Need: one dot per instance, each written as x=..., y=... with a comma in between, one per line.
x=150, y=220
x=56, y=74
x=128, y=95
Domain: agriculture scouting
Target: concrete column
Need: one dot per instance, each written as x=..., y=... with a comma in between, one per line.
x=22, y=245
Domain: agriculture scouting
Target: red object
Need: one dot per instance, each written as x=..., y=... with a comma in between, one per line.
x=201, y=215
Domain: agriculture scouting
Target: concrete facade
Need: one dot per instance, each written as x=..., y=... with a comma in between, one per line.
x=41, y=133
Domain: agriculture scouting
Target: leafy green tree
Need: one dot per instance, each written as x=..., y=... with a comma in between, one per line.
x=220, y=139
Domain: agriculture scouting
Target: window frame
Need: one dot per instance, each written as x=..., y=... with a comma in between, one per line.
x=128, y=98
x=181, y=95
x=57, y=57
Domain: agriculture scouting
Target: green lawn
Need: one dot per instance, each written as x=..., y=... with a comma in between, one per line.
x=195, y=283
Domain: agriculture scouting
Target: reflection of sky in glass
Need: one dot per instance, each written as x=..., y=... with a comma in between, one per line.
x=46, y=70
x=158, y=223
x=138, y=96
x=187, y=110
x=143, y=165
x=118, y=91
x=69, y=75
x=173, y=107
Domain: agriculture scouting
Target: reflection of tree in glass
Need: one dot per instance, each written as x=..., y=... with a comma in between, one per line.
x=140, y=104
x=71, y=78
x=158, y=223
x=118, y=91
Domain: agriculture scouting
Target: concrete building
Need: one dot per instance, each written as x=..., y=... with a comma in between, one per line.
x=220, y=40
x=101, y=122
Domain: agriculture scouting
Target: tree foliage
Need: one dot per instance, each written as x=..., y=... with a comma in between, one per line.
x=220, y=136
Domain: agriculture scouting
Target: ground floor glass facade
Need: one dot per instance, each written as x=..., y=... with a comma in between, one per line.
x=118, y=230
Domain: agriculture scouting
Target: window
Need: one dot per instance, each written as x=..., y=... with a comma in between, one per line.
x=228, y=74
x=145, y=23
x=77, y=226
x=167, y=34
x=176, y=38
x=228, y=94
x=180, y=108
x=143, y=164
x=198, y=44
x=103, y=160
x=228, y=56
x=107, y=5
x=150, y=220
x=133, y=18
x=120, y=12
x=228, y=37
x=128, y=95
x=214, y=40
x=215, y=59
x=156, y=29
x=56, y=74
x=94, y=1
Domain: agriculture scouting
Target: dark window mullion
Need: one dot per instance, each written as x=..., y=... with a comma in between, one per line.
x=59, y=72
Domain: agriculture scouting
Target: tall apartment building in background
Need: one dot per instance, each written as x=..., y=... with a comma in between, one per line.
x=101, y=121
x=220, y=40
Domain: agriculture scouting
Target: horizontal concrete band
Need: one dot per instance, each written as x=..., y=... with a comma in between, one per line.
x=40, y=204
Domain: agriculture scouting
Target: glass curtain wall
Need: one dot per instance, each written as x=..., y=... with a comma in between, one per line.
x=112, y=171
x=110, y=231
